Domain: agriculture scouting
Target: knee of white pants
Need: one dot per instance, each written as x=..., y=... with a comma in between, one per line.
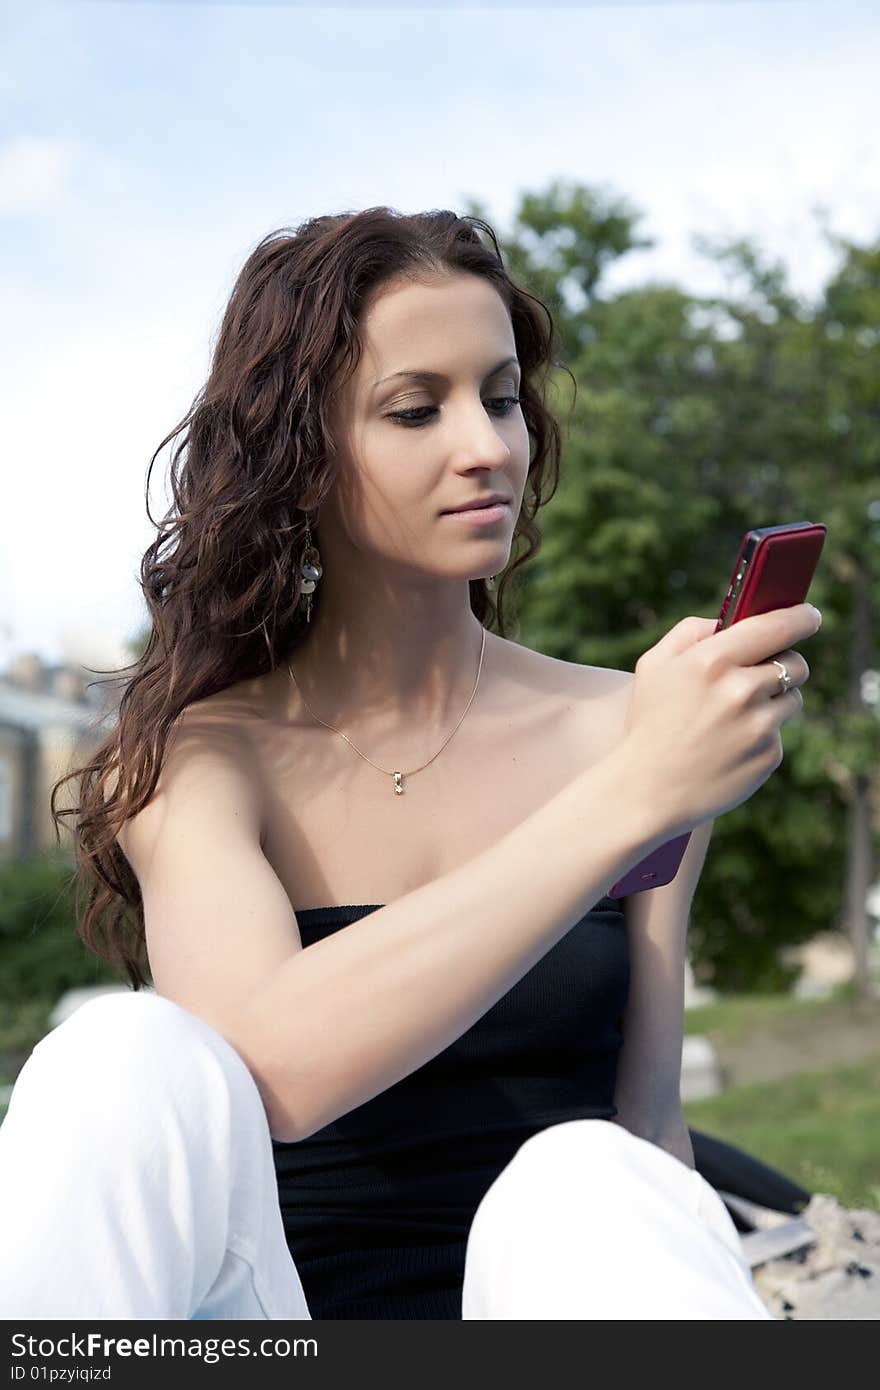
x=127, y=1053
x=602, y=1136
x=137, y=1137
x=559, y=1148
x=567, y=1146
x=577, y=1163
x=555, y=1234
x=139, y=1022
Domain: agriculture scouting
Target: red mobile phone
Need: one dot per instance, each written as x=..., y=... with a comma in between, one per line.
x=774, y=569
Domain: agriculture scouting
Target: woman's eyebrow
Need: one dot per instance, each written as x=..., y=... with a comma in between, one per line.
x=421, y=374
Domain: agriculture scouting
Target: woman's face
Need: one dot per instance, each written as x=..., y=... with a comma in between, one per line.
x=410, y=448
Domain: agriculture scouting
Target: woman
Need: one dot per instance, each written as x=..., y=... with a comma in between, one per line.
x=363, y=846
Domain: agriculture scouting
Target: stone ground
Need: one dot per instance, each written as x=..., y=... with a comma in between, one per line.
x=835, y=1279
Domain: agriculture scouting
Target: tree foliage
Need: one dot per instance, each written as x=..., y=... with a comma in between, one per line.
x=695, y=419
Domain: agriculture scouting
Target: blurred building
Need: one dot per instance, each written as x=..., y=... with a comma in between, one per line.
x=50, y=719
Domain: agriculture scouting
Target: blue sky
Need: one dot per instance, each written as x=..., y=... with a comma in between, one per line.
x=146, y=147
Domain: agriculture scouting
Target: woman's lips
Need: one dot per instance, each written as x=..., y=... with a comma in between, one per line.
x=482, y=516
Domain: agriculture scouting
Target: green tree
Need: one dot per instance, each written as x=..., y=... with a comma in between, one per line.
x=695, y=419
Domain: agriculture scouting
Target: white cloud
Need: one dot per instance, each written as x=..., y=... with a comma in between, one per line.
x=35, y=172
x=83, y=412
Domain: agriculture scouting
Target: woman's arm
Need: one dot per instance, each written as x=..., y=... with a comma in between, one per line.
x=648, y=1088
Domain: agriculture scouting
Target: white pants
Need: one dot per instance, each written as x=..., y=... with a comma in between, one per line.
x=137, y=1181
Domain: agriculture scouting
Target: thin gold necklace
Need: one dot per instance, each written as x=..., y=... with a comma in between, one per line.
x=398, y=776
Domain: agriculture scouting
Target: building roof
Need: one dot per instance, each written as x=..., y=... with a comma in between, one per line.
x=34, y=710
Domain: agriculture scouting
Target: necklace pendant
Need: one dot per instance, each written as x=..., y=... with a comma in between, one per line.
x=398, y=783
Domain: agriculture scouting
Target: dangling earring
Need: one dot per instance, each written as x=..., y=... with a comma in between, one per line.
x=310, y=571
x=490, y=582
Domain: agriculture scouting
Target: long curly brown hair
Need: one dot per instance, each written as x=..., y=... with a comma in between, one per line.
x=217, y=579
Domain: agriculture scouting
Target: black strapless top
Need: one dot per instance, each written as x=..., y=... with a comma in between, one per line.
x=377, y=1206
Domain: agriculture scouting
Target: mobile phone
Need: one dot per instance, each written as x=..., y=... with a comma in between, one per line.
x=774, y=569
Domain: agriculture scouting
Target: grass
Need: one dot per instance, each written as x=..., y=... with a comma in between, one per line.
x=731, y=1019
x=820, y=1128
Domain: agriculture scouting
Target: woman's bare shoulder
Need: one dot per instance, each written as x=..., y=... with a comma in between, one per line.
x=606, y=689
x=590, y=702
x=206, y=746
x=572, y=677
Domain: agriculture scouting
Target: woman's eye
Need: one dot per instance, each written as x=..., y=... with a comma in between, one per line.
x=416, y=416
